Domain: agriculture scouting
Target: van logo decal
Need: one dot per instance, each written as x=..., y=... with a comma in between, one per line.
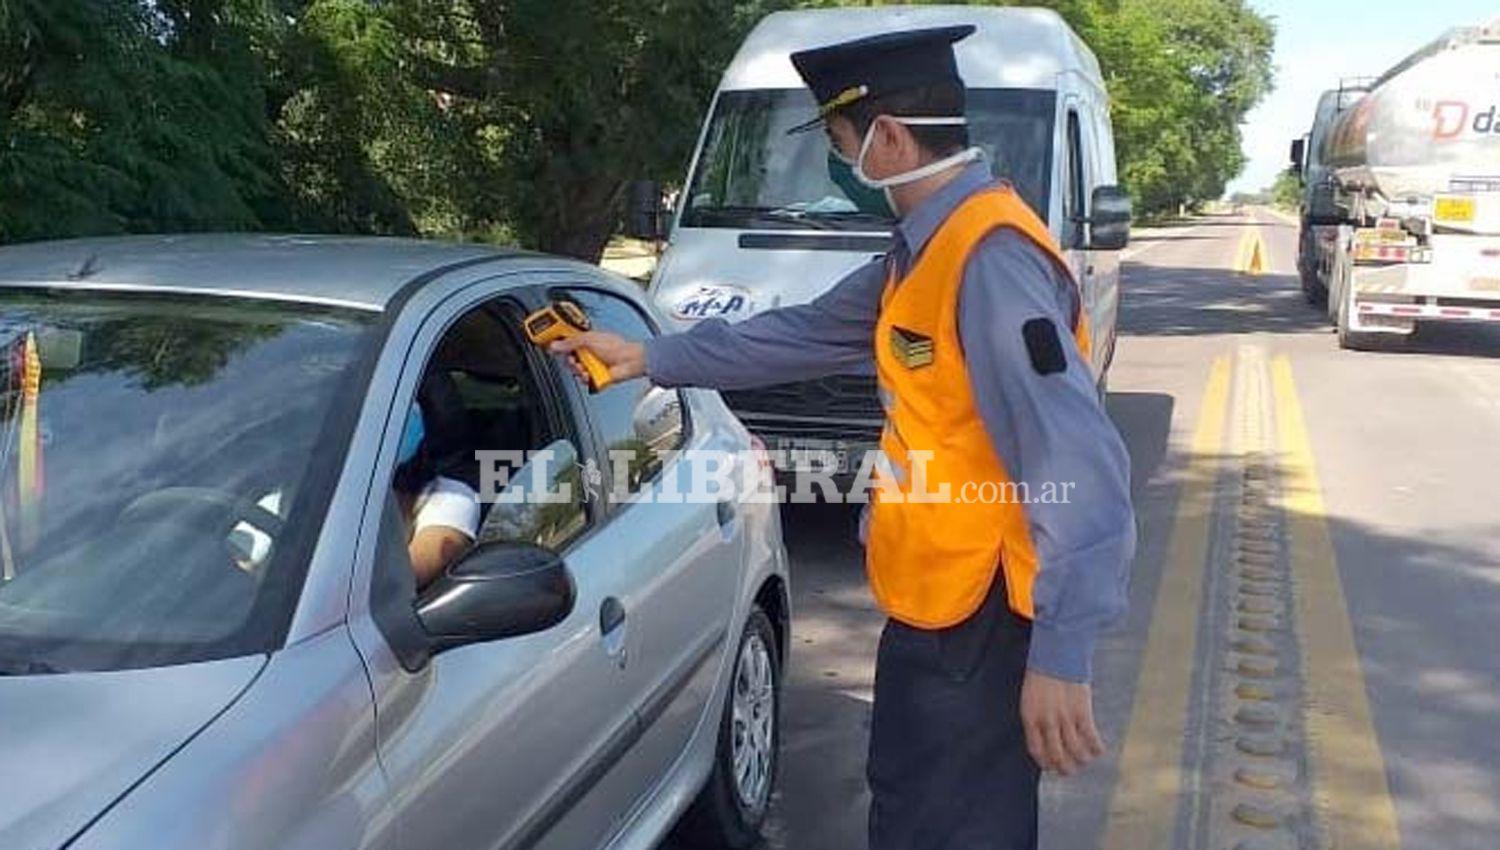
x=713, y=302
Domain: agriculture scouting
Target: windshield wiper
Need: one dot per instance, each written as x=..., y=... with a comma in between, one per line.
x=19, y=667
x=751, y=216
x=854, y=215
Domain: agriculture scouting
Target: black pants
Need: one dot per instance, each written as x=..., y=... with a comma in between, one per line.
x=948, y=765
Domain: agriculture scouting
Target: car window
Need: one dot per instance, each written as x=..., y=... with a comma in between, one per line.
x=1074, y=205
x=488, y=416
x=638, y=425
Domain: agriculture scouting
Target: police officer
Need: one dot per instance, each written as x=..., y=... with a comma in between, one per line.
x=975, y=326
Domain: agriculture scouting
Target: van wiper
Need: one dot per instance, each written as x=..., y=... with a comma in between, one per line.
x=753, y=216
x=855, y=216
x=27, y=667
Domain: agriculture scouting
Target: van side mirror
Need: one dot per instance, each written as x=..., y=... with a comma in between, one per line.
x=1109, y=219
x=645, y=214
x=496, y=591
x=1299, y=156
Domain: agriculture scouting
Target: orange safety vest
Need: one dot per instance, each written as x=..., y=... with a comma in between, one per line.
x=931, y=563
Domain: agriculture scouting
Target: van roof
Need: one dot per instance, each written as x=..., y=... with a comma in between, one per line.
x=1013, y=48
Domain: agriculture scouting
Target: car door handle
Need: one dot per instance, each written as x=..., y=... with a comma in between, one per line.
x=612, y=629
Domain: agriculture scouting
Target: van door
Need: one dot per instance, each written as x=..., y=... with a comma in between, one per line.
x=1078, y=175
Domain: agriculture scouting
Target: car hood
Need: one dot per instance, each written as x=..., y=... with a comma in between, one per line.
x=706, y=274
x=71, y=744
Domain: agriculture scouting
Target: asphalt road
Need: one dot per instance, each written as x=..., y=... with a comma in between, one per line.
x=1373, y=492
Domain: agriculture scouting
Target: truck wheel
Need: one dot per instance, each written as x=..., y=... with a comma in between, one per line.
x=1313, y=289
x=731, y=808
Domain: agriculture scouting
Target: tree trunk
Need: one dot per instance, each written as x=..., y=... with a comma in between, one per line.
x=579, y=218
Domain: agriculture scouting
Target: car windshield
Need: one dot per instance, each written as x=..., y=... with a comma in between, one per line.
x=160, y=469
x=752, y=174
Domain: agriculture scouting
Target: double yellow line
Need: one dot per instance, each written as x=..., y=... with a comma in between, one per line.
x=1351, y=797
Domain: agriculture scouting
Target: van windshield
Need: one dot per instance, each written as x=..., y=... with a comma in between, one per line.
x=752, y=174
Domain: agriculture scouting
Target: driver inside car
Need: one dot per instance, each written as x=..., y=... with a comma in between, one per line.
x=442, y=513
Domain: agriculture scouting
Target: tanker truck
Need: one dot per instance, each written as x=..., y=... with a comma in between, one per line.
x=1413, y=188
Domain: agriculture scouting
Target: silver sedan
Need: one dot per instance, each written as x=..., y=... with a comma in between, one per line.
x=211, y=631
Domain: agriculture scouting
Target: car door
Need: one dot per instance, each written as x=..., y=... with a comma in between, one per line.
x=682, y=546
x=500, y=744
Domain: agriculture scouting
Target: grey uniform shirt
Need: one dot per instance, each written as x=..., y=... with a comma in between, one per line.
x=1045, y=428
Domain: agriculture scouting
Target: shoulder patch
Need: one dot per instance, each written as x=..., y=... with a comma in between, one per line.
x=1044, y=346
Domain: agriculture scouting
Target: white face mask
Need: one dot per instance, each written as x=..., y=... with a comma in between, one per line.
x=887, y=183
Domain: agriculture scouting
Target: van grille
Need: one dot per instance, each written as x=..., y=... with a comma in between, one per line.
x=837, y=407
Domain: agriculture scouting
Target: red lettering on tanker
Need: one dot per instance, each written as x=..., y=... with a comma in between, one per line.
x=1450, y=118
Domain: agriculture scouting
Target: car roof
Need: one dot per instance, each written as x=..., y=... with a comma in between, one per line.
x=1011, y=48
x=350, y=271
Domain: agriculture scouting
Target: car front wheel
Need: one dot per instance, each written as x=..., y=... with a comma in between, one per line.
x=731, y=808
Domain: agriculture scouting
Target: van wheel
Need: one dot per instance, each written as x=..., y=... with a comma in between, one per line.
x=731, y=809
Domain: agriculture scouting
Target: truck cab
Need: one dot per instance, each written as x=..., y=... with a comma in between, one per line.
x=760, y=224
x=1315, y=241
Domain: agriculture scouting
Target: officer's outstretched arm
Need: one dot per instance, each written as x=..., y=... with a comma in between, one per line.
x=829, y=335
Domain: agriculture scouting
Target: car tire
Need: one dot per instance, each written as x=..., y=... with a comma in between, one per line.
x=731, y=809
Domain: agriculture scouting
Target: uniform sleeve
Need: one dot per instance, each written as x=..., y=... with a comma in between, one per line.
x=1041, y=409
x=829, y=335
x=447, y=503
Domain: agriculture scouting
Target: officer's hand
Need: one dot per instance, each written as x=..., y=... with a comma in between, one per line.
x=625, y=359
x=1058, y=717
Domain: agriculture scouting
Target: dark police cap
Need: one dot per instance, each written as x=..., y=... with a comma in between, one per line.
x=841, y=74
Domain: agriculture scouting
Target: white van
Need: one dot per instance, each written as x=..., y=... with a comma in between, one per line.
x=760, y=224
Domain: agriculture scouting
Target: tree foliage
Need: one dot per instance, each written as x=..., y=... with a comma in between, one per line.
x=504, y=120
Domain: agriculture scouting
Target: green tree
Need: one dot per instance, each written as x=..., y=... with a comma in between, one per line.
x=1286, y=192
x=113, y=119
x=562, y=103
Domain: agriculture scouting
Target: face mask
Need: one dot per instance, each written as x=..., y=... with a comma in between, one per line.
x=866, y=200
x=412, y=436
x=887, y=183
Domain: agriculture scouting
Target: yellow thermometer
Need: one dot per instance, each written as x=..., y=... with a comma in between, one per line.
x=563, y=319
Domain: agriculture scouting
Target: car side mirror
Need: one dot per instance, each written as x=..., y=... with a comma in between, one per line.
x=645, y=213
x=657, y=419
x=1109, y=219
x=496, y=591
x=1299, y=155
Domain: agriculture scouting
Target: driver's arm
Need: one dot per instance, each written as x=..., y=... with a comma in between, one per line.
x=433, y=549
x=445, y=520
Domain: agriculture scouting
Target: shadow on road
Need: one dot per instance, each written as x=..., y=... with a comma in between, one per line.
x=1177, y=301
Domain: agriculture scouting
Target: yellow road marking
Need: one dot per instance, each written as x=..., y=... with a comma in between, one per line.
x=1251, y=257
x=1143, y=811
x=1350, y=791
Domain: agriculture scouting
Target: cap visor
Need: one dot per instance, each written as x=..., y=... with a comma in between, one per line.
x=807, y=125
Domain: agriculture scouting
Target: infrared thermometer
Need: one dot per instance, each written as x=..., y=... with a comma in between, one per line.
x=563, y=319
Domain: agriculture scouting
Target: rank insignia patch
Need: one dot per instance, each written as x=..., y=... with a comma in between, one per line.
x=911, y=348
